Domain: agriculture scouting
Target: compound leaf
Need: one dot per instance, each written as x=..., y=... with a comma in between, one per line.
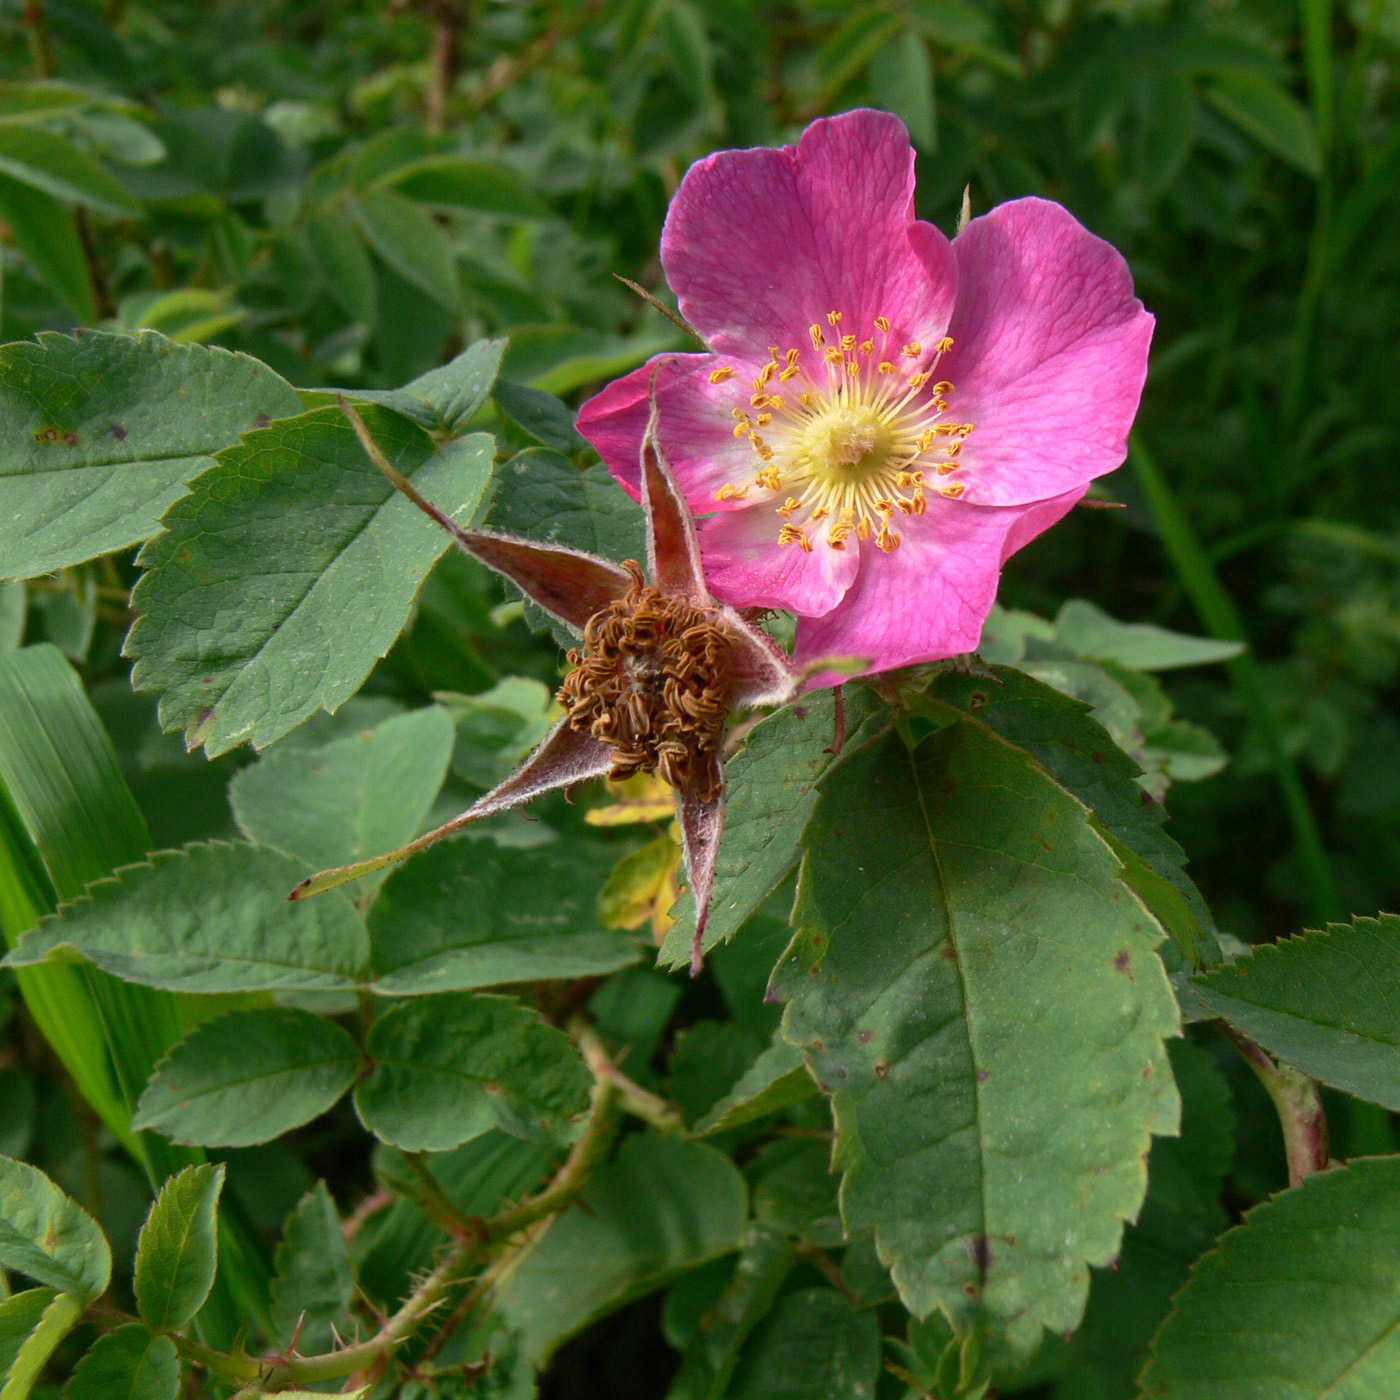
x=178, y=1251
x=128, y=1364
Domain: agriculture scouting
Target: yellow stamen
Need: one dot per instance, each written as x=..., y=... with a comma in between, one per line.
x=913, y=350
x=718, y=376
x=885, y=367
x=730, y=492
x=788, y=506
x=764, y=419
x=768, y=478
x=834, y=317
x=848, y=342
x=952, y=491
x=867, y=347
x=945, y=345
x=917, y=381
x=882, y=323
x=818, y=339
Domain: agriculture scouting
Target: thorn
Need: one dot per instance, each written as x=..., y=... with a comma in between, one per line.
x=673, y=316
x=1093, y=503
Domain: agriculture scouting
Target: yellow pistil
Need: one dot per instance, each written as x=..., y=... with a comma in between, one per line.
x=853, y=441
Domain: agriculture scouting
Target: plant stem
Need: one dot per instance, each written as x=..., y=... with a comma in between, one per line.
x=1297, y=1101
x=1222, y=619
x=435, y=1203
x=40, y=54
x=639, y=1102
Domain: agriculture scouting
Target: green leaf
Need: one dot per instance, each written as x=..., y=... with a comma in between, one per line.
x=468, y=913
x=444, y=399
x=127, y=1364
x=709, y=1059
x=48, y=1236
x=257, y=611
x=661, y=1207
x=354, y=797
x=1300, y=1302
x=58, y=1320
x=19, y=1316
x=977, y=988
x=1065, y=739
x=44, y=229
x=813, y=1346
x=448, y=1068
x=1140, y=646
x=547, y=419
x=689, y=53
x=37, y=157
x=770, y=792
x=1270, y=114
x=1324, y=1002
x=314, y=1283
x=178, y=1251
x=249, y=1077
x=1180, y=1220
x=339, y=249
x=27, y=101
x=454, y=182
x=100, y=433
x=559, y=359
x=213, y=917
x=901, y=80
x=777, y=1079
x=14, y=609
x=410, y=242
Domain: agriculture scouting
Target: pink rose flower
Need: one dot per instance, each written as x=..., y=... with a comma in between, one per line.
x=884, y=416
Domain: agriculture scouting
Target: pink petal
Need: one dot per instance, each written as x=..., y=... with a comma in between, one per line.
x=695, y=426
x=929, y=598
x=1049, y=353
x=745, y=566
x=673, y=551
x=760, y=244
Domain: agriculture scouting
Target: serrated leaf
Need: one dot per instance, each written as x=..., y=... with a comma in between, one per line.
x=1324, y=1002
x=213, y=917
x=178, y=1251
x=100, y=433
x=351, y=798
x=813, y=1346
x=48, y=1236
x=662, y=1206
x=770, y=791
x=1141, y=646
x=288, y=571
x=1066, y=740
x=59, y=1318
x=777, y=1079
x=547, y=419
x=249, y=1077
x=1300, y=1302
x=1271, y=114
x=37, y=157
x=444, y=399
x=314, y=1283
x=978, y=989
x=466, y=914
x=129, y=1363
x=410, y=242
x=449, y=1068
x=1180, y=1220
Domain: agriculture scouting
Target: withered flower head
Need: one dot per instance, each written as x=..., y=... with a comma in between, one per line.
x=661, y=669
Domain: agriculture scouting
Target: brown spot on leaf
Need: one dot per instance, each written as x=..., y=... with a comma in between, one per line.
x=980, y=1247
x=1146, y=799
x=983, y=1075
x=1147, y=1071
x=800, y=711
x=977, y=699
x=819, y=1046
x=882, y=1070
x=46, y=435
x=835, y=833
x=1122, y=960
x=865, y=1036
x=1096, y=756
x=71, y=439
x=261, y=421
x=842, y=1073
x=118, y=432
x=948, y=953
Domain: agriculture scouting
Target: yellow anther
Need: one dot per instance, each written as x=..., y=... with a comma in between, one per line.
x=940, y=405
x=954, y=448
x=852, y=368
x=945, y=467
x=792, y=357
x=820, y=513
x=925, y=440
x=885, y=505
x=718, y=376
x=788, y=506
x=774, y=351
x=917, y=381
x=741, y=428
x=789, y=372
x=848, y=342
x=887, y=539
x=818, y=339
x=794, y=534
x=885, y=367
x=913, y=349
x=730, y=492
x=776, y=400
x=953, y=490
x=942, y=388
x=946, y=429
x=768, y=478
x=945, y=345
x=882, y=323
x=909, y=479
x=834, y=317
x=806, y=400
x=867, y=347
x=764, y=419
x=831, y=355
x=964, y=429
x=918, y=501
x=864, y=528
x=739, y=414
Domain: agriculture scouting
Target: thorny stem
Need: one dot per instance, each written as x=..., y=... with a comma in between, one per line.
x=632, y=1098
x=504, y=1233
x=1297, y=1101
x=435, y=1203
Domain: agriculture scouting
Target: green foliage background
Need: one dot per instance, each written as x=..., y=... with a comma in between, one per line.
x=353, y=192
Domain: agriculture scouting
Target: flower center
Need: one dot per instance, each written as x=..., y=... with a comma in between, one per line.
x=652, y=681
x=846, y=448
